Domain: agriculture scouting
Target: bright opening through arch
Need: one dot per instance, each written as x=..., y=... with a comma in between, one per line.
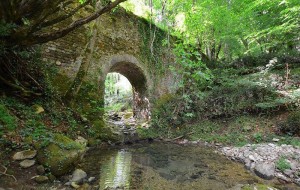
x=118, y=93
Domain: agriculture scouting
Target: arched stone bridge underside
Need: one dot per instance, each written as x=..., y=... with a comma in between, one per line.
x=129, y=66
x=117, y=42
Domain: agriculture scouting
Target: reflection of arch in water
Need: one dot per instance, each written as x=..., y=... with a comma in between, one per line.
x=115, y=172
x=129, y=67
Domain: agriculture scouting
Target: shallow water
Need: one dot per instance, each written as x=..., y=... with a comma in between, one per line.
x=157, y=166
x=165, y=166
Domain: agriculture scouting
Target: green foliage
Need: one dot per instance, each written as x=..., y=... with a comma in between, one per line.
x=290, y=140
x=213, y=131
x=282, y=164
x=174, y=111
x=152, y=45
x=150, y=133
x=7, y=120
x=5, y=28
x=195, y=75
x=291, y=125
x=234, y=97
x=258, y=137
x=262, y=27
x=163, y=112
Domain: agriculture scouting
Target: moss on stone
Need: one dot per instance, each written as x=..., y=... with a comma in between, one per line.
x=60, y=155
x=61, y=83
x=102, y=132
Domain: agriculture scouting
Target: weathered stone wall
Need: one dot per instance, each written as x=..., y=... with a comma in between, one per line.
x=116, y=42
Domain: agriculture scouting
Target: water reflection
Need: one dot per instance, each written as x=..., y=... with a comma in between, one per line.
x=115, y=172
x=165, y=166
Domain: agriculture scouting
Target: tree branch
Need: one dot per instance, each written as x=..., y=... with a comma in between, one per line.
x=46, y=37
x=63, y=17
x=37, y=25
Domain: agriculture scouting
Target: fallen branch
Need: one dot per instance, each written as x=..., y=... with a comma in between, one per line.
x=4, y=173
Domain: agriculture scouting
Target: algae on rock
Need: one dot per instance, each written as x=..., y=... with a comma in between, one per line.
x=60, y=155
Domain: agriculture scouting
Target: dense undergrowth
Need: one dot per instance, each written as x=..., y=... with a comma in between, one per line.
x=24, y=124
x=28, y=119
x=242, y=103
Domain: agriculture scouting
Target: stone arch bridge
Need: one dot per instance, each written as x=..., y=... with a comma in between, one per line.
x=116, y=42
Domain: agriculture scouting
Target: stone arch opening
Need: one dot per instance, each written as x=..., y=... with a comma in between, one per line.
x=129, y=67
x=133, y=73
x=118, y=93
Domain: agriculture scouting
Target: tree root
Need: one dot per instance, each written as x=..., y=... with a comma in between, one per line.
x=4, y=173
x=14, y=86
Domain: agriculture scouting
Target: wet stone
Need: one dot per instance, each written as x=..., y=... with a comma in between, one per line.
x=27, y=163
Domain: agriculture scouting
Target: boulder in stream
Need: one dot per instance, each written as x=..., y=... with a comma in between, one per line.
x=60, y=155
x=265, y=170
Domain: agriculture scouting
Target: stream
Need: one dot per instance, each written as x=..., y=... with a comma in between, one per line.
x=166, y=166
x=158, y=166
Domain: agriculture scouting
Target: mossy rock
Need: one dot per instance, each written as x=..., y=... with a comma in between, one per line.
x=103, y=132
x=60, y=155
x=128, y=115
x=61, y=83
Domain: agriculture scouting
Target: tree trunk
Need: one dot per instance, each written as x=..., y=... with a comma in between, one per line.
x=81, y=74
x=218, y=51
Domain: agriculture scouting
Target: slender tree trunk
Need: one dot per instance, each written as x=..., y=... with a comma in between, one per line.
x=218, y=51
x=245, y=43
x=81, y=74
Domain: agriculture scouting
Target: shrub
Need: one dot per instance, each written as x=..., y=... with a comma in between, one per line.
x=291, y=125
x=282, y=164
